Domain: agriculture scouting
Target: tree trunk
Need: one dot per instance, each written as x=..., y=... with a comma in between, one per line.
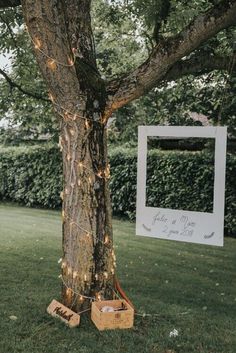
x=63, y=43
x=88, y=264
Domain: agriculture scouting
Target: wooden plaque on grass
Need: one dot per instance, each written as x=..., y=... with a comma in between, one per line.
x=68, y=316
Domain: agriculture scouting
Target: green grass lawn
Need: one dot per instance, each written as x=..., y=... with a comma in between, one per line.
x=190, y=288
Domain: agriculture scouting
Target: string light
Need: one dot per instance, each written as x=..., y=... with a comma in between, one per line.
x=69, y=270
x=98, y=296
x=51, y=64
x=105, y=275
x=73, y=116
x=72, y=132
x=107, y=172
x=50, y=96
x=75, y=274
x=71, y=61
x=37, y=43
x=85, y=278
x=86, y=124
x=96, y=277
x=60, y=144
x=68, y=291
x=106, y=240
x=75, y=292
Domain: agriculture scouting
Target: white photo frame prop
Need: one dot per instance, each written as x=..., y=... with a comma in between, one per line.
x=189, y=226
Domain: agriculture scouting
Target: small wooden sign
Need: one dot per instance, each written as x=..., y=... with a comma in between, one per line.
x=68, y=316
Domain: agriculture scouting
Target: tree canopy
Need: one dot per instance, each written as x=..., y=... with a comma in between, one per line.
x=126, y=32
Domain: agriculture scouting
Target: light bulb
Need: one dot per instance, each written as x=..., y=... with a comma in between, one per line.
x=37, y=43
x=51, y=64
x=86, y=124
x=70, y=61
x=105, y=275
x=50, y=96
x=69, y=270
x=75, y=274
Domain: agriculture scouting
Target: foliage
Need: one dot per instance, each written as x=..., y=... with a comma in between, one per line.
x=188, y=286
x=32, y=176
x=174, y=179
x=26, y=116
x=124, y=35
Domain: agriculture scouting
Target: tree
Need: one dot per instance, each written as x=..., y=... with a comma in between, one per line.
x=62, y=36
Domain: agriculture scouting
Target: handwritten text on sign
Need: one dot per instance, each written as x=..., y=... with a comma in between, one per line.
x=189, y=226
x=68, y=316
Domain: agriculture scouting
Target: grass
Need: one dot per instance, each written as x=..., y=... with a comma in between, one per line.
x=191, y=288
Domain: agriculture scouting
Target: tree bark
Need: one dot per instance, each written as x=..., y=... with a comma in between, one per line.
x=77, y=92
x=88, y=263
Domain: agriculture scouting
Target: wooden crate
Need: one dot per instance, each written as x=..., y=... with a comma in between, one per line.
x=112, y=320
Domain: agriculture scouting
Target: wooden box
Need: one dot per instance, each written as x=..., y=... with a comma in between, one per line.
x=68, y=316
x=119, y=319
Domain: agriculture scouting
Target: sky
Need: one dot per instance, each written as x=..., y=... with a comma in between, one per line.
x=4, y=61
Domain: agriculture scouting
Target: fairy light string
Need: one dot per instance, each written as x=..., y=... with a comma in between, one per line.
x=51, y=64
x=102, y=174
x=37, y=42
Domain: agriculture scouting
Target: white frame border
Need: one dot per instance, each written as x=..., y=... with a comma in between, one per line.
x=208, y=227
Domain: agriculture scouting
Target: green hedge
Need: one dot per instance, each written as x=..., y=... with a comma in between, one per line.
x=32, y=176
x=179, y=180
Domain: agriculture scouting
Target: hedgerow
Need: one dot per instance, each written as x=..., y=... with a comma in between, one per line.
x=182, y=180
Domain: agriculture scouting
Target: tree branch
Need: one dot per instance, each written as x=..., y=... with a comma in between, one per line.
x=161, y=18
x=199, y=65
x=13, y=84
x=168, y=52
x=9, y=3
